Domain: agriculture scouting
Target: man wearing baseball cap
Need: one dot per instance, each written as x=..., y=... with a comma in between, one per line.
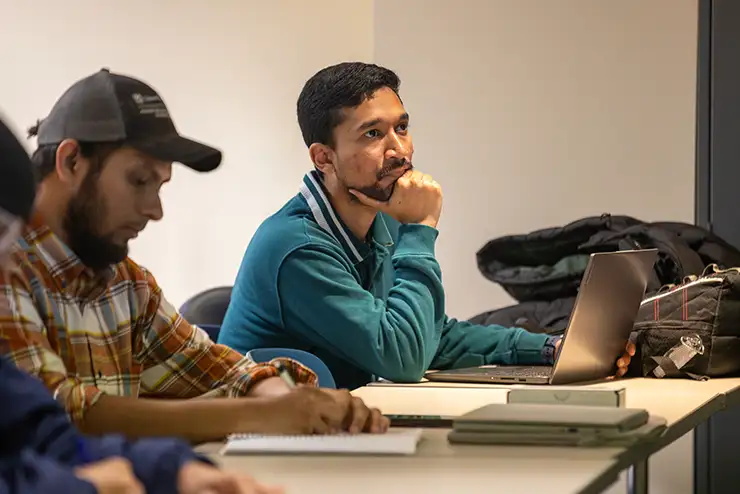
x=94, y=326
x=42, y=451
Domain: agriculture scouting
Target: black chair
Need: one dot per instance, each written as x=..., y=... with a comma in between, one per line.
x=207, y=309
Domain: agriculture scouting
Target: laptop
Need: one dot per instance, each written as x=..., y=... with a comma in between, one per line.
x=611, y=290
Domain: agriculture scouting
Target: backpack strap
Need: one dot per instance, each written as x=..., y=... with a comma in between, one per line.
x=667, y=368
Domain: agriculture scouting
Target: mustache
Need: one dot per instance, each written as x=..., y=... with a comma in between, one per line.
x=394, y=165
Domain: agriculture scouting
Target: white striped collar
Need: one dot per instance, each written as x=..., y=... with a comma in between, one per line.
x=315, y=194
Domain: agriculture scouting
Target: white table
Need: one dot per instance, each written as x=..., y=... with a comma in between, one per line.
x=683, y=403
x=436, y=468
x=441, y=467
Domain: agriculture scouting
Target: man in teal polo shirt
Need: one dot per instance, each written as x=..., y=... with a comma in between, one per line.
x=346, y=269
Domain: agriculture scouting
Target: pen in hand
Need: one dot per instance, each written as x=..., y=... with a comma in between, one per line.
x=284, y=374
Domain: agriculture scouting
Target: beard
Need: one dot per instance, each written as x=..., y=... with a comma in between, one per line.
x=82, y=221
x=383, y=193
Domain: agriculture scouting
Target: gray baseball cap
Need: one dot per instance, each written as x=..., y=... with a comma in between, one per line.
x=108, y=107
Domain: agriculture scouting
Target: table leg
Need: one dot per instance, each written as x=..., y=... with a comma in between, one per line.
x=637, y=478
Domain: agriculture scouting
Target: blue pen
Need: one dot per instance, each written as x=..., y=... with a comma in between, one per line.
x=83, y=455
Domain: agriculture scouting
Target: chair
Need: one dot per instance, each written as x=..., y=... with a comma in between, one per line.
x=326, y=380
x=207, y=309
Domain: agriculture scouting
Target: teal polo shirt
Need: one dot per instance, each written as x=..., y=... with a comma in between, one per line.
x=368, y=308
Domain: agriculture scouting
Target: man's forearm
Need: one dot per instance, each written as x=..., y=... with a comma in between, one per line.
x=463, y=343
x=193, y=420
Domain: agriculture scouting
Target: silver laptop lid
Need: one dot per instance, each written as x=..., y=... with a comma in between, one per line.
x=609, y=297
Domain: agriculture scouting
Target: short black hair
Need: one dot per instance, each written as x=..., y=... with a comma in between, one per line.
x=44, y=158
x=17, y=188
x=334, y=88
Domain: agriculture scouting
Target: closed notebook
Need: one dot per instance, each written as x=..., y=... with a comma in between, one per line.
x=394, y=442
x=536, y=417
x=652, y=429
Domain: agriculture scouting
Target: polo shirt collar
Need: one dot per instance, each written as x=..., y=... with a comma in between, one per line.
x=316, y=196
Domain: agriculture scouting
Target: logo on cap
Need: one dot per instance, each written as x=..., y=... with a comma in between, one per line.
x=150, y=105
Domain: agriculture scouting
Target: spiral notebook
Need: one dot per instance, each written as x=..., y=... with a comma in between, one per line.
x=394, y=442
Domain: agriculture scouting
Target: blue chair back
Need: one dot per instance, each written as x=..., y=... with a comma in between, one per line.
x=326, y=379
x=207, y=307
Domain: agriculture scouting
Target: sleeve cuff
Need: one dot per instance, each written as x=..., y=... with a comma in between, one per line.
x=260, y=372
x=548, y=351
x=40, y=473
x=416, y=239
x=529, y=347
x=157, y=462
x=301, y=374
x=76, y=398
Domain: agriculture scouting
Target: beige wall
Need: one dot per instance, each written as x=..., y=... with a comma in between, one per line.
x=533, y=113
x=230, y=71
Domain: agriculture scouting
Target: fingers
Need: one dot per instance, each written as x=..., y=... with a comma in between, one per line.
x=247, y=485
x=411, y=178
x=326, y=420
x=244, y=484
x=313, y=411
x=414, y=177
x=418, y=178
x=265, y=489
x=408, y=177
x=322, y=425
x=134, y=486
x=334, y=408
x=359, y=416
x=344, y=408
x=367, y=201
x=623, y=363
x=377, y=423
x=352, y=414
x=631, y=349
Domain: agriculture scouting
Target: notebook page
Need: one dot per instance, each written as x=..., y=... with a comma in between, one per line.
x=394, y=442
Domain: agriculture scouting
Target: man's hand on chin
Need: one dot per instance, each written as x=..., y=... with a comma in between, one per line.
x=270, y=387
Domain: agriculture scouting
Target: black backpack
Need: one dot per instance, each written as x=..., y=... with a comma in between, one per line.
x=703, y=309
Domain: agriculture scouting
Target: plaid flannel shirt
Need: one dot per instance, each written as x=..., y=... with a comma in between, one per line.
x=86, y=334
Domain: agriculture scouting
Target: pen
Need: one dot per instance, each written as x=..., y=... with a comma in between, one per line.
x=284, y=374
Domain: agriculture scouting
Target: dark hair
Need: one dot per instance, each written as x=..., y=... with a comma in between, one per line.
x=334, y=88
x=44, y=158
x=17, y=189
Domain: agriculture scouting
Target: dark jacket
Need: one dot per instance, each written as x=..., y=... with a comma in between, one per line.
x=542, y=270
x=39, y=446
